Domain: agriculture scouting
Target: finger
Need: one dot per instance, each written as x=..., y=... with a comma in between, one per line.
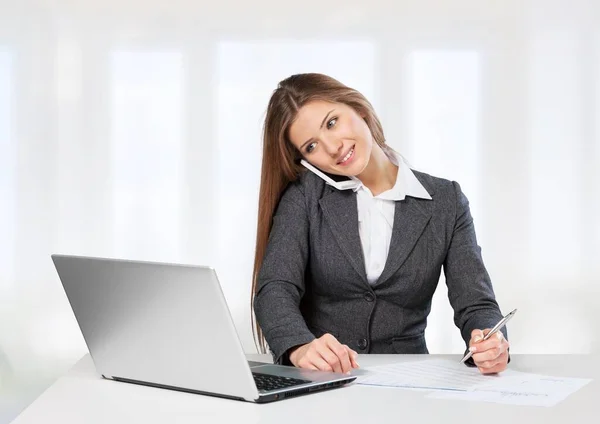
x=502, y=359
x=339, y=351
x=315, y=359
x=489, y=354
x=328, y=355
x=494, y=370
x=488, y=364
x=476, y=336
x=487, y=371
x=492, y=343
x=304, y=363
x=353, y=357
x=342, y=354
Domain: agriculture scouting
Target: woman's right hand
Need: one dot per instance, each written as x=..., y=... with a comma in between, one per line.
x=325, y=354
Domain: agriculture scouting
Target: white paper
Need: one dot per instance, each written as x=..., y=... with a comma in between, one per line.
x=536, y=390
x=451, y=380
x=521, y=389
x=437, y=374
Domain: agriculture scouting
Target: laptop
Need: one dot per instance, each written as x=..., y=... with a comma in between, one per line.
x=168, y=326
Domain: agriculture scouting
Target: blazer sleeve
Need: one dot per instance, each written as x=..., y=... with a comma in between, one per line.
x=281, y=277
x=469, y=287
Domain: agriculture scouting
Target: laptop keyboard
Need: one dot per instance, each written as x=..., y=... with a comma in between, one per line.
x=266, y=382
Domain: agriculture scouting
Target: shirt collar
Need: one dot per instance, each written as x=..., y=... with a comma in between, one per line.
x=406, y=184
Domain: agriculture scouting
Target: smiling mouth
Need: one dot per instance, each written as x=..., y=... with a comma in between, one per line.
x=348, y=156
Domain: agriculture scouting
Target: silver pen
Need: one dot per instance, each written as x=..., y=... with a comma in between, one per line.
x=493, y=331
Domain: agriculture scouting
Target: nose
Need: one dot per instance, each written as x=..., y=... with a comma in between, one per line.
x=333, y=147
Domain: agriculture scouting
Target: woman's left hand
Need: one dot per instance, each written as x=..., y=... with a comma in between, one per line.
x=490, y=356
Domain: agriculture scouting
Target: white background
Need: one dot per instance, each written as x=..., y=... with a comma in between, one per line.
x=132, y=129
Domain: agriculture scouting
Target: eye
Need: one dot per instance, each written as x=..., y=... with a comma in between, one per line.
x=311, y=147
x=331, y=122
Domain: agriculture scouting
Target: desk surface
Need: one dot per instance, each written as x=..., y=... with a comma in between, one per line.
x=82, y=396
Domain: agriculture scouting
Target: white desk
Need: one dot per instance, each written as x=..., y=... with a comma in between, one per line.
x=82, y=396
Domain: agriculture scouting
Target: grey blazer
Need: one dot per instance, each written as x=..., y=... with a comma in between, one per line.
x=313, y=279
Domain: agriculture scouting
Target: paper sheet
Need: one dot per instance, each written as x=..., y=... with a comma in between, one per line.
x=521, y=389
x=452, y=380
x=439, y=374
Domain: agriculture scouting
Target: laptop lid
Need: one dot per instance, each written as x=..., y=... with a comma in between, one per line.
x=162, y=324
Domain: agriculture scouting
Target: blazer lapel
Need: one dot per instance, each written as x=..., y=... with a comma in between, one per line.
x=340, y=211
x=411, y=216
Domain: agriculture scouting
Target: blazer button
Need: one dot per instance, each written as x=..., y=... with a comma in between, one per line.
x=362, y=344
x=369, y=297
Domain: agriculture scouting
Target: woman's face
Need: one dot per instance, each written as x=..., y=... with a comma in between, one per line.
x=333, y=137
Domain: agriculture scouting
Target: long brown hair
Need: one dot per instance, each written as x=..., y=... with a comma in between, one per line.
x=279, y=160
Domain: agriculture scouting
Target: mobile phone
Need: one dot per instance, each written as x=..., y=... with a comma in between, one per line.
x=340, y=182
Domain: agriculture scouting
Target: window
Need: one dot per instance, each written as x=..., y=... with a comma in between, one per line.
x=557, y=100
x=445, y=92
x=147, y=130
x=8, y=162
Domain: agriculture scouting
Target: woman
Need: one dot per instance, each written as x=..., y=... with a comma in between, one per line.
x=340, y=271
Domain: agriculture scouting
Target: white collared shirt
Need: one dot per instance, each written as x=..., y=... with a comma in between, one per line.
x=376, y=215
